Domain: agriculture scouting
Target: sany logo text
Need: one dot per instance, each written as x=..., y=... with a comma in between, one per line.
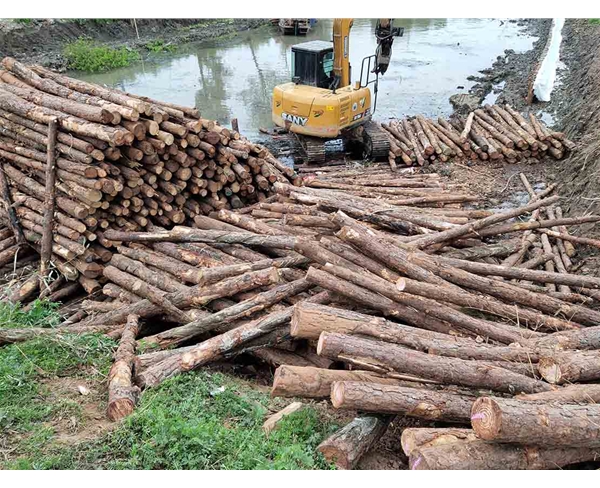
x=294, y=119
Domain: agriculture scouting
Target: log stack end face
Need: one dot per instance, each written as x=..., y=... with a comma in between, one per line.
x=486, y=418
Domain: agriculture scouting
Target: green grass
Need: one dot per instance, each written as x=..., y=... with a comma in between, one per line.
x=23, y=367
x=23, y=21
x=160, y=46
x=85, y=55
x=200, y=420
x=42, y=314
x=197, y=421
x=93, y=21
x=594, y=21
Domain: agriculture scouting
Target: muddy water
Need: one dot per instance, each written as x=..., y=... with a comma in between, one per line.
x=234, y=77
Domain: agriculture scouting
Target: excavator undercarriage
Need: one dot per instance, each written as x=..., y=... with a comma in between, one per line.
x=367, y=141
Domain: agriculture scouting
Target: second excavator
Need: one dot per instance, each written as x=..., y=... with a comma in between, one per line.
x=321, y=104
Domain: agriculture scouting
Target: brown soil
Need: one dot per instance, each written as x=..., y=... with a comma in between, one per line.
x=91, y=421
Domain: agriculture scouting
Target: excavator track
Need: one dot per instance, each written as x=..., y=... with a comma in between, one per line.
x=314, y=148
x=375, y=141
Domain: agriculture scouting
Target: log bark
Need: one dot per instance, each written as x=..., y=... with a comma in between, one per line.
x=272, y=422
x=420, y=438
x=413, y=402
x=481, y=455
x=446, y=370
x=566, y=394
x=570, y=367
x=312, y=382
x=49, y=200
x=479, y=327
x=543, y=424
x=196, y=296
x=122, y=394
x=469, y=228
x=309, y=320
x=349, y=444
x=244, y=308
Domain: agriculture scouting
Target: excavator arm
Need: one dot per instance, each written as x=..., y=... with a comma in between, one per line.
x=384, y=33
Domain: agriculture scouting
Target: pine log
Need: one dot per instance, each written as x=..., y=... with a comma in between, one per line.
x=481, y=455
x=122, y=394
x=11, y=336
x=308, y=321
x=272, y=422
x=543, y=424
x=462, y=230
x=312, y=382
x=423, y=437
x=196, y=296
x=413, y=402
x=185, y=234
x=7, y=205
x=244, y=308
x=479, y=374
x=49, y=200
x=566, y=394
x=349, y=444
x=570, y=367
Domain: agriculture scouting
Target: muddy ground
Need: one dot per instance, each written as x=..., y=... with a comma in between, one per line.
x=42, y=40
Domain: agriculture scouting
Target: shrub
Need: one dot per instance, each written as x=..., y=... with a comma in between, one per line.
x=84, y=55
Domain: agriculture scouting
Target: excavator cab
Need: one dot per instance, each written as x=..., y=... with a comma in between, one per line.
x=312, y=64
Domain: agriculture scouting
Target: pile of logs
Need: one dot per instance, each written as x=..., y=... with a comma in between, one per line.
x=121, y=162
x=491, y=132
x=367, y=298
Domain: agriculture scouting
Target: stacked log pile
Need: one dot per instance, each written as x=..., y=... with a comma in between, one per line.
x=489, y=133
x=367, y=299
x=122, y=162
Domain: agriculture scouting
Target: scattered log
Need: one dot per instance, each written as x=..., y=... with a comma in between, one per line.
x=544, y=424
x=349, y=444
x=122, y=394
x=392, y=399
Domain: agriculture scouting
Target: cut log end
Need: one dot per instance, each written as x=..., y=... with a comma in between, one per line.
x=486, y=418
x=550, y=370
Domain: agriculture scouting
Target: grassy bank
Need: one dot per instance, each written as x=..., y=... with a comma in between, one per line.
x=52, y=413
x=86, y=55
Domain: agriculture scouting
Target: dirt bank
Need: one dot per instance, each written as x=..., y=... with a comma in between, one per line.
x=574, y=108
x=42, y=41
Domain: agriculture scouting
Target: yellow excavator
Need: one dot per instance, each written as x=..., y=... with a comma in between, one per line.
x=320, y=104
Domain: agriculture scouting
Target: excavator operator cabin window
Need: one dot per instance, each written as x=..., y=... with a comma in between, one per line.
x=312, y=63
x=326, y=70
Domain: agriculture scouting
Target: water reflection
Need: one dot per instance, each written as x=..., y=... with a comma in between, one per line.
x=234, y=77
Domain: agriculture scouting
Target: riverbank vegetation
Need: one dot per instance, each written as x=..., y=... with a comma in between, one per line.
x=86, y=55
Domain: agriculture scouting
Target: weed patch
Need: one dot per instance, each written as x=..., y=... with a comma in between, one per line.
x=23, y=367
x=42, y=314
x=198, y=421
x=160, y=46
x=84, y=55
